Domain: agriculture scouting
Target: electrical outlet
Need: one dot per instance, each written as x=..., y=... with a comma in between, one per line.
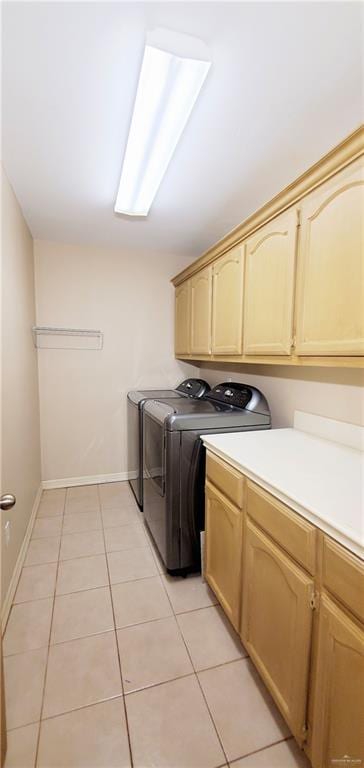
x=7, y=532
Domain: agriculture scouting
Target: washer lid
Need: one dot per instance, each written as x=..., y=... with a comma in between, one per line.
x=187, y=388
x=159, y=410
x=138, y=396
x=189, y=414
x=219, y=419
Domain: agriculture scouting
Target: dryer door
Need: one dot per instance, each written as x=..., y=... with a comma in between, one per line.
x=154, y=462
x=192, y=498
x=154, y=416
x=135, y=459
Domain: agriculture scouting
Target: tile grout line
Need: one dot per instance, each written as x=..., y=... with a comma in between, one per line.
x=205, y=669
x=73, y=709
x=262, y=749
x=216, y=666
x=35, y=600
x=49, y=640
x=120, y=629
x=195, y=674
x=203, y=695
x=194, y=671
x=21, y=602
x=52, y=597
x=116, y=637
x=162, y=682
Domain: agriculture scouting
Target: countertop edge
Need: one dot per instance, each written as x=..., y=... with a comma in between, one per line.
x=335, y=533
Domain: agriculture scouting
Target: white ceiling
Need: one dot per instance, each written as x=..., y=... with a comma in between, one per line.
x=284, y=88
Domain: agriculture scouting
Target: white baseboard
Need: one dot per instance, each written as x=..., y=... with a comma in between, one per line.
x=19, y=563
x=68, y=482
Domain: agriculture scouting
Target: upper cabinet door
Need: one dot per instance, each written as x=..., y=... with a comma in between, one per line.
x=330, y=316
x=337, y=725
x=201, y=301
x=227, y=303
x=269, y=287
x=182, y=319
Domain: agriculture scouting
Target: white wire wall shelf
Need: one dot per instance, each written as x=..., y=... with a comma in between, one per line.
x=46, y=337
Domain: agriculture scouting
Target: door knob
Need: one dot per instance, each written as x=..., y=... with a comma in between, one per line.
x=7, y=501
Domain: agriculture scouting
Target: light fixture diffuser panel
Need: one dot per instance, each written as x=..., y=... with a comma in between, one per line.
x=168, y=88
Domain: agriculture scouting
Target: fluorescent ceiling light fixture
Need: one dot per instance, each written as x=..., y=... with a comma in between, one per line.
x=173, y=71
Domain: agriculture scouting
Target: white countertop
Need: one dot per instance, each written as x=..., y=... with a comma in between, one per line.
x=320, y=479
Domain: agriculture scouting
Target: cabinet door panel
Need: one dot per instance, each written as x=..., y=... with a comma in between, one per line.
x=277, y=624
x=269, y=287
x=223, y=552
x=288, y=529
x=201, y=301
x=338, y=733
x=330, y=313
x=343, y=576
x=227, y=303
x=182, y=319
x=225, y=478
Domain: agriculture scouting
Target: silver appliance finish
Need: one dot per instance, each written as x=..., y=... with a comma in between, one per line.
x=7, y=501
x=174, y=464
x=136, y=400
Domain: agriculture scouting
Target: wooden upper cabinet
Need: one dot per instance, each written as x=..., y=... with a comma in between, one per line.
x=227, y=303
x=338, y=704
x=330, y=312
x=201, y=302
x=182, y=319
x=277, y=624
x=224, y=523
x=269, y=287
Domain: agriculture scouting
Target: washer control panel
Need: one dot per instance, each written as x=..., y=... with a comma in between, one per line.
x=235, y=394
x=193, y=387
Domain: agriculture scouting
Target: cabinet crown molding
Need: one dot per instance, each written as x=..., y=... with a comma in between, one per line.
x=344, y=153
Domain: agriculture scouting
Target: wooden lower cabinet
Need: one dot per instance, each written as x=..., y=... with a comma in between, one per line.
x=223, y=551
x=300, y=597
x=277, y=624
x=338, y=695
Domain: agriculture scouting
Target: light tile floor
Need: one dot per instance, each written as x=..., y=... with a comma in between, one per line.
x=110, y=662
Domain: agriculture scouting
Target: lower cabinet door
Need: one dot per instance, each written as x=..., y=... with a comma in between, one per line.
x=338, y=705
x=277, y=624
x=223, y=552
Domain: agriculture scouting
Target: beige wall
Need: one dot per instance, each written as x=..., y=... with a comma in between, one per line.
x=129, y=298
x=20, y=446
x=83, y=392
x=333, y=392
